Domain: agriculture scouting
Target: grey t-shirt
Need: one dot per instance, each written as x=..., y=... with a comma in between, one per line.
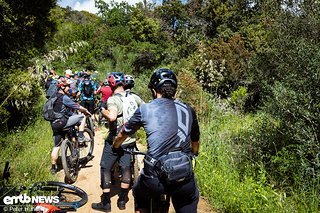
x=117, y=102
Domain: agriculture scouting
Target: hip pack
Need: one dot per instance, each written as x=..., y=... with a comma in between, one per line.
x=174, y=167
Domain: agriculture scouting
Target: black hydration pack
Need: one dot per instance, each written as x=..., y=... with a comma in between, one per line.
x=48, y=110
x=87, y=88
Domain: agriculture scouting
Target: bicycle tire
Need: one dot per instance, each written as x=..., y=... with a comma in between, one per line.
x=70, y=161
x=90, y=124
x=86, y=149
x=70, y=192
x=136, y=170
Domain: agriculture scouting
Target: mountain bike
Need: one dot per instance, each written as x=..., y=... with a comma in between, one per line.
x=46, y=196
x=135, y=167
x=75, y=154
x=90, y=124
x=159, y=204
x=99, y=117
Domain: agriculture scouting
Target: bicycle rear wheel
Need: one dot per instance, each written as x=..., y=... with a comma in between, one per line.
x=86, y=148
x=90, y=124
x=135, y=169
x=70, y=197
x=70, y=161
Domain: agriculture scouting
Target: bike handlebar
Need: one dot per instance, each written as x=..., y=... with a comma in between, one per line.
x=133, y=152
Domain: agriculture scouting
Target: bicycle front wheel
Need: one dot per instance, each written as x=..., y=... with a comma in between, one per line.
x=70, y=197
x=70, y=161
x=86, y=148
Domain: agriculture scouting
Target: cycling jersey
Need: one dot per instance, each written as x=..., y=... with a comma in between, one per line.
x=81, y=89
x=168, y=123
x=106, y=92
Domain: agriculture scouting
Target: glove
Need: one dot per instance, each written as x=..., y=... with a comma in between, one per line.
x=119, y=151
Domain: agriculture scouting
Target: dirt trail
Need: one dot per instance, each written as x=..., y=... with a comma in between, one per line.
x=89, y=181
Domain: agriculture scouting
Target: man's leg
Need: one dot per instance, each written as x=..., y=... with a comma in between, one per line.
x=74, y=119
x=55, y=152
x=107, y=160
x=185, y=197
x=125, y=163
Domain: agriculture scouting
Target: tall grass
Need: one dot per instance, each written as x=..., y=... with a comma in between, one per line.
x=28, y=151
x=229, y=188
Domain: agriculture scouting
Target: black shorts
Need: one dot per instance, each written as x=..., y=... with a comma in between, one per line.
x=185, y=195
x=89, y=105
x=109, y=158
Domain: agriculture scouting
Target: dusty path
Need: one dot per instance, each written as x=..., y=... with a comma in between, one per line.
x=89, y=181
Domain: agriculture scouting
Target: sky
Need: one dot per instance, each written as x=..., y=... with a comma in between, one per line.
x=87, y=5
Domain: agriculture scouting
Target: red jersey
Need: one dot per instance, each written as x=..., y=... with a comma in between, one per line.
x=105, y=91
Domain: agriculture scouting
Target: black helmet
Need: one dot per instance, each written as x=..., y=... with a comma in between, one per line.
x=129, y=80
x=160, y=76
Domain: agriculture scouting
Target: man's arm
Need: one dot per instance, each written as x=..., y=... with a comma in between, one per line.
x=110, y=114
x=119, y=139
x=195, y=147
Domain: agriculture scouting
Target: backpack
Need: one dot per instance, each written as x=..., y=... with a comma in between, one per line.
x=174, y=167
x=87, y=88
x=129, y=106
x=48, y=109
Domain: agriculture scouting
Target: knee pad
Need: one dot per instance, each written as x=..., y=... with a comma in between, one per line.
x=126, y=174
x=105, y=178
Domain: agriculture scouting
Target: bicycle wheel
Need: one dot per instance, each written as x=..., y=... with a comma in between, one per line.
x=135, y=169
x=86, y=148
x=70, y=197
x=96, y=115
x=70, y=161
x=90, y=124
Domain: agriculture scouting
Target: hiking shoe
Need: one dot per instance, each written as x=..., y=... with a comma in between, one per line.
x=121, y=204
x=101, y=207
x=53, y=171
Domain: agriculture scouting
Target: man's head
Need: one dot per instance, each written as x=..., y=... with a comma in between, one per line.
x=68, y=73
x=64, y=85
x=105, y=82
x=116, y=79
x=164, y=82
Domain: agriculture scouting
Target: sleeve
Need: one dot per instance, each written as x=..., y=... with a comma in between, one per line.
x=70, y=103
x=134, y=123
x=112, y=104
x=195, y=131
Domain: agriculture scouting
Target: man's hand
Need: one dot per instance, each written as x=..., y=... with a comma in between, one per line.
x=119, y=151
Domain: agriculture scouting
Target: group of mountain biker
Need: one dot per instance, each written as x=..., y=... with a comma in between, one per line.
x=172, y=133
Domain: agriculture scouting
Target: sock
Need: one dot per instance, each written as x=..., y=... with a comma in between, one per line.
x=123, y=194
x=106, y=198
x=81, y=134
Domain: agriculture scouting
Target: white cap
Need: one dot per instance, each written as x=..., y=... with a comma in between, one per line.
x=68, y=72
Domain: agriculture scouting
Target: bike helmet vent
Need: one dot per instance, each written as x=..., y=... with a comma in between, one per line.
x=115, y=79
x=160, y=76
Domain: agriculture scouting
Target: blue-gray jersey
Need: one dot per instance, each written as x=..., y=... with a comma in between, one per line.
x=167, y=123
